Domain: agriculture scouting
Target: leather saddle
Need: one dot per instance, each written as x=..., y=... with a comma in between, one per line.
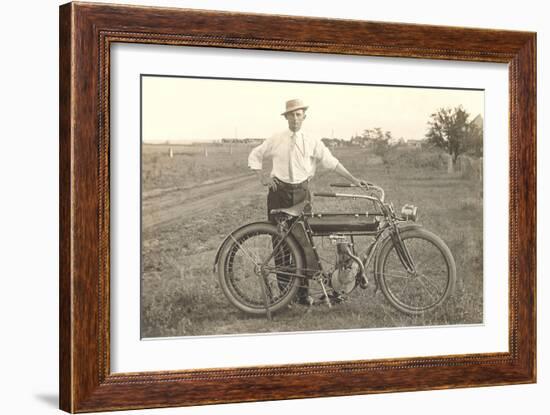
x=295, y=210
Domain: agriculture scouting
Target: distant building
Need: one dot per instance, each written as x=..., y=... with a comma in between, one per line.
x=478, y=122
x=415, y=143
x=242, y=140
x=361, y=141
x=396, y=141
x=332, y=142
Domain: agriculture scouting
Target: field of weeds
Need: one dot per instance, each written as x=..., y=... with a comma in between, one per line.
x=181, y=295
x=190, y=164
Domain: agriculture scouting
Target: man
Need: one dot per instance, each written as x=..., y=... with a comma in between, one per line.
x=295, y=156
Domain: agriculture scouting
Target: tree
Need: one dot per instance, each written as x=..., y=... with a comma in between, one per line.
x=377, y=140
x=450, y=130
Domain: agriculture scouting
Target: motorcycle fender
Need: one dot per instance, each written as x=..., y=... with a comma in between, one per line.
x=228, y=238
x=387, y=239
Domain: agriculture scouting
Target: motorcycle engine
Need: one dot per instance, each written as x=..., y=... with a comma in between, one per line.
x=343, y=278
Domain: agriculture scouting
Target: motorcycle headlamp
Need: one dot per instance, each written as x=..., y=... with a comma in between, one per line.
x=409, y=212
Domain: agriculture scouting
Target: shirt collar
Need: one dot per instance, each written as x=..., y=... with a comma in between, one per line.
x=299, y=134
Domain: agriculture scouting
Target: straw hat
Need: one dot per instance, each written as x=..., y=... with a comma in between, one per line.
x=293, y=105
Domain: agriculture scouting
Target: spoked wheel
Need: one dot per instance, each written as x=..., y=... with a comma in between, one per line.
x=248, y=281
x=433, y=278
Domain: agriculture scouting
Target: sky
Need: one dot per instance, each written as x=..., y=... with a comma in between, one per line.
x=199, y=109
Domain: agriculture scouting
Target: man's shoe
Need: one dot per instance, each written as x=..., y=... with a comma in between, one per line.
x=307, y=300
x=334, y=297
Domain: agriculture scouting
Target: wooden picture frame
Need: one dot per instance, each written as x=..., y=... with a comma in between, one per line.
x=86, y=33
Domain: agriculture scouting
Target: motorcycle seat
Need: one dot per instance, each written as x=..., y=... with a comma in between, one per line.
x=295, y=210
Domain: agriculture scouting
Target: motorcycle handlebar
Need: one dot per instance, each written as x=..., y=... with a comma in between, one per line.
x=324, y=194
x=347, y=184
x=371, y=186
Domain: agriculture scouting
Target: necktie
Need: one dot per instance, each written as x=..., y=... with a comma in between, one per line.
x=291, y=148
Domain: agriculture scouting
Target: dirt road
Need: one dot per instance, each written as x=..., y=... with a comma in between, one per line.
x=160, y=208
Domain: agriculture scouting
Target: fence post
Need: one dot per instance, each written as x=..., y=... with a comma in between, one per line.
x=450, y=164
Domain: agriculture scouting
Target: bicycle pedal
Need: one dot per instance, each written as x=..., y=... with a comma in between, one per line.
x=306, y=301
x=338, y=299
x=363, y=281
x=333, y=299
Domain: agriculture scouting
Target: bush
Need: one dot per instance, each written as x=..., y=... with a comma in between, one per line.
x=417, y=157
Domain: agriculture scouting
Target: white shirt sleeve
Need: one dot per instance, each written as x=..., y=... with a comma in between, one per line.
x=256, y=156
x=323, y=155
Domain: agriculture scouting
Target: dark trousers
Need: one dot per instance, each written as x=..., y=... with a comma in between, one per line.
x=284, y=197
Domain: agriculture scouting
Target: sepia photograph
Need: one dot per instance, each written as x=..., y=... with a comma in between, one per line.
x=261, y=206
x=272, y=206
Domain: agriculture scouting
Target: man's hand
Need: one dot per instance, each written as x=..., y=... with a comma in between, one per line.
x=269, y=182
x=342, y=171
x=365, y=184
x=266, y=180
x=361, y=183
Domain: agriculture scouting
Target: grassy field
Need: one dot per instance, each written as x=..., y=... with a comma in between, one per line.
x=189, y=166
x=181, y=295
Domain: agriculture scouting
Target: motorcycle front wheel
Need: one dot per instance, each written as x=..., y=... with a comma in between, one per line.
x=248, y=281
x=432, y=280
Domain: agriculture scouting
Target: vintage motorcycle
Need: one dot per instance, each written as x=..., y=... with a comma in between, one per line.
x=261, y=265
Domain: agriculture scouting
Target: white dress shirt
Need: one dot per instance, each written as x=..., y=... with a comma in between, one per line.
x=295, y=156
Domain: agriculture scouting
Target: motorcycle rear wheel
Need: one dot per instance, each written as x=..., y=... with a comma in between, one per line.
x=244, y=285
x=431, y=284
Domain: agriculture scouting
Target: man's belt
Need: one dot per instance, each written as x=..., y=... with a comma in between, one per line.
x=291, y=185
